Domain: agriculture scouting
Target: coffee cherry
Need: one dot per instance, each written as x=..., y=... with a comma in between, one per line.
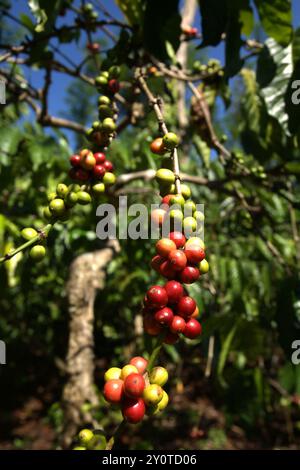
x=134, y=385
x=178, y=238
x=57, y=207
x=171, y=338
x=98, y=442
x=189, y=208
x=151, y=326
x=195, y=313
x=204, y=266
x=75, y=160
x=177, y=325
x=79, y=174
x=101, y=82
x=112, y=373
x=158, y=217
x=98, y=189
x=163, y=402
x=105, y=111
x=109, y=179
x=192, y=329
x=174, y=291
x=108, y=166
x=133, y=410
x=194, y=253
x=164, y=316
x=199, y=216
x=108, y=125
x=152, y=394
x=37, y=252
x=185, y=191
x=186, y=306
x=98, y=171
x=127, y=370
x=163, y=176
x=177, y=260
x=167, y=271
x=114, y=71
x=47, y=213
x=157, y=296
x=113, y=390
x=164, y=247
x=85, y=436
x=62, y=190
x=79, y=448
x=176, y=215
x=189, y=225
x=166, y=199
x=83, y=198
x=157, y=146
x=158, y=376
x=194, y=241
x=189, y=275
x=99, y=157
x=177, y=200
x=71, y=199
x=28, y=233
x=156, y=262
x=104, y=100
x=140, y=363
x=113, y=86
x=88, y=161
x=170, y=140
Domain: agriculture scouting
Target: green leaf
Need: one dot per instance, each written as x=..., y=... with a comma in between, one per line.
x=251, y=100
x=225, y=351
x=276, y=18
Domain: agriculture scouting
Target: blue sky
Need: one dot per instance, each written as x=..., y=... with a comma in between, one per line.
x=61, y=81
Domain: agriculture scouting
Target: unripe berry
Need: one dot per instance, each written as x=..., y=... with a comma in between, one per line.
x=105, y=111
x=98, y=189
x=204, y=266
x=163, y=402
x=153, y=394
x=108, y=125
x=62, y=190
x=163, y=176
x=71, y=199
x=85, y=436
x=28, y=233
x=171, y=140
x=84, y=198
x=177, y=199
x=127, y=370
x=114, y=71
x=158, y=376
x=185, y=191
x=57, y=207
x=109, y=179
x=112, y=373
x=37, y=252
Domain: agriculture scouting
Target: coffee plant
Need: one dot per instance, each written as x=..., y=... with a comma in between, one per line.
x=145, y=105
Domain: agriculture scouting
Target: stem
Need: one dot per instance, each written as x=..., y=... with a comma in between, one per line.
x=116, y=435
x=40, y=236
x=155, y=352
x=155, y=103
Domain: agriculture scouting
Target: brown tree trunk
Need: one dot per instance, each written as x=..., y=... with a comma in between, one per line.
x=87, y=275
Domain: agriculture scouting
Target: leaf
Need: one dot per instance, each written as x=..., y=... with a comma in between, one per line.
x=133, y=10
x=224, y=352
x=162, y=24
x=251, y=100
x=276, y=19
x=213, y=21
x=275, y=83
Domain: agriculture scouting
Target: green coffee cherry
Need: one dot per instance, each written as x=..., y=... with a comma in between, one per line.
x=62, y=190
x=57, y=207
x=170, y=140
x=29, y=233
x=189, y=224
x=37, y=252
x=98, y=442
x=51, y=196
x=105, y=111
x=177, y=199
x=185, y=191
x=84, y=198
x=101, y=81
x=71, y=199
x=96, y=125
x=109, y=179
x=108, y=125
x=74, y=188
x=98, y=189
x=85, y=436
x=199, y=216
x=176, y=215
x=189, y=207
x=47, y=214
x=165, y=176
x=104, y=100
x=79, y=448
x=203, y=266
x=114, y=71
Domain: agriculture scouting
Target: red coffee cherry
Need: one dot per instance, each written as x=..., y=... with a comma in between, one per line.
x=178, y=238
x=113, y=390
x=113, y=85
x=164, y=316
x=140, y=363
x=164, y=247
x=178, y=324
x=108, y=166
x=177, y=260
x=189, y=275
x=174, y=291
x=157, y=296
x=156, y=262
x=133, y=410
x=151, y=326
x=75, y=160
x=192, y=329
x=194, y=253
x=134, y=385
x=167, y=271
x=171, y=338
x=99, y=157
x=186, y=306
x=99, y=171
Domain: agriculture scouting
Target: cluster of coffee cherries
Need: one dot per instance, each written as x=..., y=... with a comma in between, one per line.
x=92, y=168
x=135, y=390
x=91, y=440
x=213, y=67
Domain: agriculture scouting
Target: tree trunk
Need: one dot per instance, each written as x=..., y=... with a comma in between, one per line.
x=87, y=275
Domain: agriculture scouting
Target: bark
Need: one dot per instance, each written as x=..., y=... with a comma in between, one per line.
x=87, y=275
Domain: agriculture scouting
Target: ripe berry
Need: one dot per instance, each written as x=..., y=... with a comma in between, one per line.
x=75, y=160
x=99, y=157
x=186, y=306
x=158, y=217
x=153, y=394
x=204, y=266
x=151, y=326
x=157, y=146
x=127, y=370
x=171, y=338
x=158, y=376
x=164, y=316
x=140, y=363
x=194, y=253
x=178, y=238
x=192, y=329
x=79, y=174
x=113, y=85
x=134, y=385
x=195, y=313
x=156, y=262
x=108, y=166
x=177, y=325
x=113, y=390
x=157, y=296
x=133, y=410
x=167, y=271
x=174, y=291
x=37, y=252
x=170, y=140
x=99, y=171
x=189, y=275
x=177, y=260
x=166, y=199
x=164, y=247
x=28, y=233
x=112, y=373
x=88, y=161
